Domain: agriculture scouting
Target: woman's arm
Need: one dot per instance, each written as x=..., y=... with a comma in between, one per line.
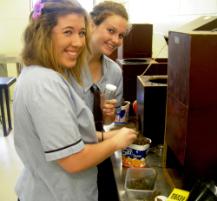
x=93, y=154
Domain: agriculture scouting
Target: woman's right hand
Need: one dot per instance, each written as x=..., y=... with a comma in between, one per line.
x=124, y=137
x=93, y=154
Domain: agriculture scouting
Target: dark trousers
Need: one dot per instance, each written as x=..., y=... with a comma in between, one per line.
x=106, y=182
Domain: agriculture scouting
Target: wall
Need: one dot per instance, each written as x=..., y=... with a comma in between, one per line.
x=13, y=19
x=166, y=15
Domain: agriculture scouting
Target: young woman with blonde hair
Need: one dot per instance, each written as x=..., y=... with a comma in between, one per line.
x=54, y=131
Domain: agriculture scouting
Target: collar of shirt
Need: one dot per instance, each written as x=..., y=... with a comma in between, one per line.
x=87, y=78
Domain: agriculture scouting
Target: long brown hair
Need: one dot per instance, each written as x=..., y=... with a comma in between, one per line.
x=38, y=47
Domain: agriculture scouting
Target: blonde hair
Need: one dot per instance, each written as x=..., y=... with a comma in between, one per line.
x=38, y=46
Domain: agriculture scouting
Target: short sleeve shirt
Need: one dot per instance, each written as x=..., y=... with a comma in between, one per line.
x=112, y=74
x=51, y=122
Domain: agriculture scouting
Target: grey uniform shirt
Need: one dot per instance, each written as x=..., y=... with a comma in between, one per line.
x=112, y=74
x=51, y=122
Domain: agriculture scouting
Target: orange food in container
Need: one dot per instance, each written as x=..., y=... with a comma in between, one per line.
x=135, y=154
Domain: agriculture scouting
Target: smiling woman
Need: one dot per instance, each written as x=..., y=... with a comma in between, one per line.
x=54, y=131
x=69, y=39
x=44, y=110
x=43, y=23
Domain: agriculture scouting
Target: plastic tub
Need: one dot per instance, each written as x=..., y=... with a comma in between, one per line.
x=140, y=183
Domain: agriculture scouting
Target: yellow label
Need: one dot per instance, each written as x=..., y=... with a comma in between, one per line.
x=178, y=195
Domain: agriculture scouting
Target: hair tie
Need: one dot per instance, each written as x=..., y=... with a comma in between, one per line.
x=37, y=10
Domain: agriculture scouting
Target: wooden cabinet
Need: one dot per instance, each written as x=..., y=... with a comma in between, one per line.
x=133, y=67
x=138, y=43
x=151, y=100
x=191, y=123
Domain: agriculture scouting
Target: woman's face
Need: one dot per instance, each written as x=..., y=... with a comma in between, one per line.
x=108, y=36
x=68, y=38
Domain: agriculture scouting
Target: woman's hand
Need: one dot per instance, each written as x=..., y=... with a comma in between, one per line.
x=124, y=137
x=109, y=109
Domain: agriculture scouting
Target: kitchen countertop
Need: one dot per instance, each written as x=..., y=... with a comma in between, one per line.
x=153, y=160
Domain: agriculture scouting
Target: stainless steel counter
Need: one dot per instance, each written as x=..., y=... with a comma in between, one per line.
x=153, y=160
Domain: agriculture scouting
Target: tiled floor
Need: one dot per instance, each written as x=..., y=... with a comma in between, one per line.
x=10, y=167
